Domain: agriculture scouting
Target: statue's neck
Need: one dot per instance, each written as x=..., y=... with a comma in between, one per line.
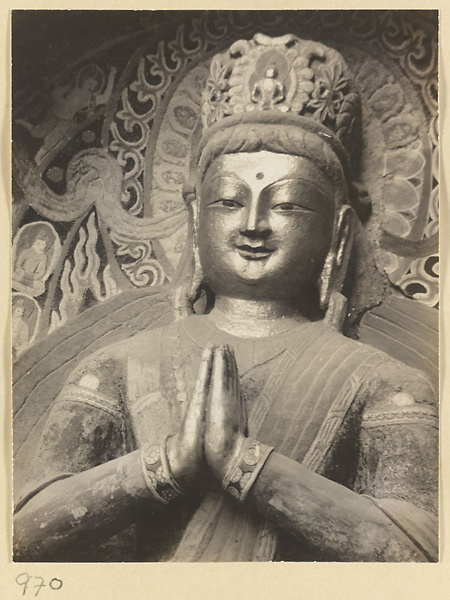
x=254, y=318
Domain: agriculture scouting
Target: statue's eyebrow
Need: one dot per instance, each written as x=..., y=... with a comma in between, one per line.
x=282, y=179
x=222, y=175
x=307, y=181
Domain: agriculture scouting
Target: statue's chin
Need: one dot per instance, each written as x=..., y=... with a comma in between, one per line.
x=255, y=271
x=263, y=289
x=266, y=278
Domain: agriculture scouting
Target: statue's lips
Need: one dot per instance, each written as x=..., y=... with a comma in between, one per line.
x=254, y=252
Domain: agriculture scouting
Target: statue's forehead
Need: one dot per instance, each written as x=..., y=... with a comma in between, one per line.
x=260, y=169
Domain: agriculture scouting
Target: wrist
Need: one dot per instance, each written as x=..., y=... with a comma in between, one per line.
x=158, y=472
x=181, y=464
x=245, y=468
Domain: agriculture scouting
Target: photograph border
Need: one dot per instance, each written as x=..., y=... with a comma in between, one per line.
x=249, y=581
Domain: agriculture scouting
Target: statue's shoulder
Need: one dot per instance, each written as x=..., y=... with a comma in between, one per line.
x=395, y=390
x=388, y=383
x=345, y=352
x=110, y=364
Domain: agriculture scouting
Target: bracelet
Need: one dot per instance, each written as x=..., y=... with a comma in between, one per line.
x=245, y=469
x=158, y=474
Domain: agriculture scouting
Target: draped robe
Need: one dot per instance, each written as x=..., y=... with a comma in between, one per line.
x=340, y=408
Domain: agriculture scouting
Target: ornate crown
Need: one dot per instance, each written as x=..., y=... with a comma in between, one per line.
x=285, y=74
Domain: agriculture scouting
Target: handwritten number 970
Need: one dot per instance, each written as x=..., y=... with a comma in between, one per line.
x=26, y=580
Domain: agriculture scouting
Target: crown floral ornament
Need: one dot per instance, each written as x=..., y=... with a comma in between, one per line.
x=285, y=74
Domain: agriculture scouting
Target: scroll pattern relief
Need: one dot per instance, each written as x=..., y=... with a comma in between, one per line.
x=144, y=270
x=117, y=209
x=409, y=175
x=421, y=278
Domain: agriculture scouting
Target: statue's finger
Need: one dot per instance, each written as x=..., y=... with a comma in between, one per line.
x=243, y=416
x=196, y=409
x=239, y=408
x=233, y=383
x=235, y=372
x=218, y=375
x=204, y=372
x=218, y=388
x=228, y=367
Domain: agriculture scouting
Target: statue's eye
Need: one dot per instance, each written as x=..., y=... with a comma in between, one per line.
x=290, y=207
x=287, y=207
x=227, y=203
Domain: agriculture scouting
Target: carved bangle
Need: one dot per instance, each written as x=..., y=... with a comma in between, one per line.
x=245, y=469
x=158, y=474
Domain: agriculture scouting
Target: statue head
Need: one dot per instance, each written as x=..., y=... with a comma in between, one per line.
x=273, y=201
x=39, y=244
x=90, y=78
x=18, y=309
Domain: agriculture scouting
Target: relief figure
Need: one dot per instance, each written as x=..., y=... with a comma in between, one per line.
x=25, y=317
x=35, y=250
x=20, y=331
x=76, y=99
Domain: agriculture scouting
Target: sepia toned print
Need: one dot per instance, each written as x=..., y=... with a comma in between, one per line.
x=235, y=358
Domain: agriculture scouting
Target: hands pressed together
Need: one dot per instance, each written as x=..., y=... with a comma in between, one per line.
x=213, y=433
x=214, y=425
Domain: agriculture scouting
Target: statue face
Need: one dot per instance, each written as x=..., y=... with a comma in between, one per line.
x=265, y=225
x=39, y=245
x=18, y=311
x=90, y=84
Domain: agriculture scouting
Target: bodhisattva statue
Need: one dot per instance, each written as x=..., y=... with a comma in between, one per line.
x=255, y=431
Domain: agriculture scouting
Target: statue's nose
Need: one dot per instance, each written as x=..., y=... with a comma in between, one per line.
x=255, y=221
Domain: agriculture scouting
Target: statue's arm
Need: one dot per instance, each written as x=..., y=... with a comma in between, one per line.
x=382, y=520
x=75, y=512
x=391, y=514
x=103, y=98
x=340, y=523
x=20, y=262
x=85, y=483
x=91, y=484
x=41, y=267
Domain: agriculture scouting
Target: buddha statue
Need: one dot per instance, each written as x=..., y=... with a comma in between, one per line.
x=250, y=428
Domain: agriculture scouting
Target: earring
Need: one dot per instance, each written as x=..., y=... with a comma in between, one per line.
x=197, y=276
x=325, y=281
x=332, y=302
x=189, y=272
x=336, y=311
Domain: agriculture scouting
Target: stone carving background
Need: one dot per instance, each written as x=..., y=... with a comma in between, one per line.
x=102, y=122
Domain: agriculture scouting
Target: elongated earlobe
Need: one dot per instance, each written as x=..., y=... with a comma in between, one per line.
x=189, y=275
x=197, y=278
x=332, y=278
